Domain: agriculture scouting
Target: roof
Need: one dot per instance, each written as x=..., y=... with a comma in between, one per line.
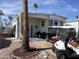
x=47, y=15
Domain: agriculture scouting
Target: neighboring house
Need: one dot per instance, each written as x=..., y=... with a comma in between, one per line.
x=38, y=23
x=10, y=28
x=74, y=23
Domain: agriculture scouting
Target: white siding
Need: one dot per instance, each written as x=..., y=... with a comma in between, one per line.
x=45, y=27
x=38, y=22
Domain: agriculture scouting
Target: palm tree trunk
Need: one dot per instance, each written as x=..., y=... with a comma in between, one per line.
x=25, y=44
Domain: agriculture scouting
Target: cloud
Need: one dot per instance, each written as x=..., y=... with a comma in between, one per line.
x=11, y=8
x=44, y=5
x=49, y=2
x=69, y=7
x=59, y=4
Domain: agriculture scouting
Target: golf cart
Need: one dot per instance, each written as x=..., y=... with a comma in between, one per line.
x=66, y=50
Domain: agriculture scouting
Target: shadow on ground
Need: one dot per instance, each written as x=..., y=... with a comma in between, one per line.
x=4, y=43
x=32, y=52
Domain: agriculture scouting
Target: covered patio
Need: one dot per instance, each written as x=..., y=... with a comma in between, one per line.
x=37, y=23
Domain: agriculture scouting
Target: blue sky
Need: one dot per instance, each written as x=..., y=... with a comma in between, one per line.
x=67, y=8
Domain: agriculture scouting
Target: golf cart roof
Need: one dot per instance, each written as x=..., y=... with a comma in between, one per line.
x=67, y=27
x=63, y=27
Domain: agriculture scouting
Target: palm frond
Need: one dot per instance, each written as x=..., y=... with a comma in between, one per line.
x=35, y=5
x=1, y=12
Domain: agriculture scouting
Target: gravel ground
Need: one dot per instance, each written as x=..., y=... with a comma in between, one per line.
x=6, y=53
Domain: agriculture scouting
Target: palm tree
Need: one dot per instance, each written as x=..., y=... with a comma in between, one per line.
x=25, y=44
x=10, y=18
x=1, y=14
x=1, y=24
x=35, y=6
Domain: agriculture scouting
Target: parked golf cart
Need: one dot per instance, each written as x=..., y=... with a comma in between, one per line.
x=59, y=47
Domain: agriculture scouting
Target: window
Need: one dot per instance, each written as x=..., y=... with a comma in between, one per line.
x=55, y=22
x=61, y=23
x=42, y=23
x=50, y=22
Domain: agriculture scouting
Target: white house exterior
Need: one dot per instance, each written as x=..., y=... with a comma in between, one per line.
x=38, y=22
x=47, y=23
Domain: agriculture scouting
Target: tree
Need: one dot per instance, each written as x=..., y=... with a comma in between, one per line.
x=10, y=18
x=1, y=24
x=25, y=44
x=1, y=14
x=35, y=6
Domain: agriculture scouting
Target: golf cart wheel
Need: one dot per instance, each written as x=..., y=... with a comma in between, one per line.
x=60, y=55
